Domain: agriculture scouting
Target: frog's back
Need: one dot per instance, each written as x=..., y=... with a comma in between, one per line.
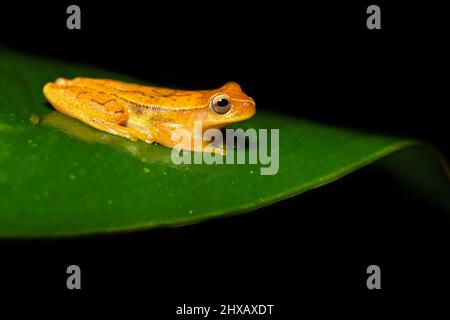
x=144, y=96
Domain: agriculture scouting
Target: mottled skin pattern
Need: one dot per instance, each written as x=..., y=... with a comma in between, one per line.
x=147, y=113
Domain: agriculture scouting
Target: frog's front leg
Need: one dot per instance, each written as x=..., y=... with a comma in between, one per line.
x=178, y=137
x=207, y=147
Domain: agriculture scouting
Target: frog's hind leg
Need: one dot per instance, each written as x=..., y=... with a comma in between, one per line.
x=118, y=130
x=97, y=109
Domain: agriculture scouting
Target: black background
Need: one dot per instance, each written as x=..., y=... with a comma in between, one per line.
x=309, y=253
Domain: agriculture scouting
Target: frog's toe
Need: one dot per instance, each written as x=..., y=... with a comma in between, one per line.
x=215, y=150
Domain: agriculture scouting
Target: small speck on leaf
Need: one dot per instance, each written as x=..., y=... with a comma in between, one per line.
x=34, y=119
x=73, y=177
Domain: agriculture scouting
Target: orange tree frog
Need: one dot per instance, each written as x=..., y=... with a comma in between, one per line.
x=151, y=114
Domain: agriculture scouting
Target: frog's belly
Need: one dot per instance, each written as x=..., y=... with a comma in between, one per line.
x=151, y=124
x=142, y=125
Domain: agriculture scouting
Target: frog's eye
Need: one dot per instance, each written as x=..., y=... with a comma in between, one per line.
x=221, y=103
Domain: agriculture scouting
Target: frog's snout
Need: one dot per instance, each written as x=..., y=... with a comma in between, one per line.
x=250, y=106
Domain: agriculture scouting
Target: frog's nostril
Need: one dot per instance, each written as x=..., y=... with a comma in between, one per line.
x=249, y=107
x=248, y=104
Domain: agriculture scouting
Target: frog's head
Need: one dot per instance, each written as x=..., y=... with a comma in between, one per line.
x=229, y=104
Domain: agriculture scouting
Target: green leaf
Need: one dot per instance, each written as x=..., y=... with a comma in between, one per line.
x=60, y=177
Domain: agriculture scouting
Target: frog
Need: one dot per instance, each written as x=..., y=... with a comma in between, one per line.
x=150, y=113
